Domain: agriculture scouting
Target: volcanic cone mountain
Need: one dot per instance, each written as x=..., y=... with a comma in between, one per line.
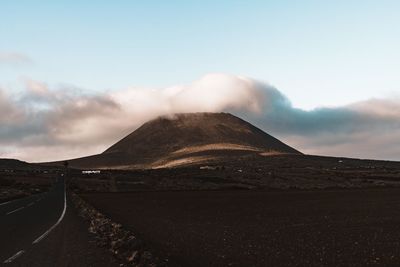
x=184, y=139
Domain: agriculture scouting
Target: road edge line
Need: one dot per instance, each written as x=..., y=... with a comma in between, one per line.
x=37, y=240
x=12, y=258
x=11, y=212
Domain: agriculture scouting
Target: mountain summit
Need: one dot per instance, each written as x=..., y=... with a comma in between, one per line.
x=184, y=139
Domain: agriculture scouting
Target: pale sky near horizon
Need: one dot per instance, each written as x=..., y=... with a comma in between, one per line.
x=318, y=53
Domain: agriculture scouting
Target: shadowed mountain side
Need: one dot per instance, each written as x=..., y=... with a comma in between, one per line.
x=184, y=139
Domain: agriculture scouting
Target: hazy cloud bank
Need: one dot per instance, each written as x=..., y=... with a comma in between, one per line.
x=45, y=123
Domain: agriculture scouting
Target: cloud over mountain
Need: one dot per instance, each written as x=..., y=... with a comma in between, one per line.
x=44, y=123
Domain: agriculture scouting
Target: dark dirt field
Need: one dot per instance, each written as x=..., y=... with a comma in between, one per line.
x=248, y=172
x=22, y=184
x=19, y=179
x=355, y=227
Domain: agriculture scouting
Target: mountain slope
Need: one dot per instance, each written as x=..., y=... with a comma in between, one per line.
x=185, y=139
x=13, y=164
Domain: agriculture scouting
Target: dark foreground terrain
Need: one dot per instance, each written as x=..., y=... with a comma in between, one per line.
x=355, y=227
x=20, y=179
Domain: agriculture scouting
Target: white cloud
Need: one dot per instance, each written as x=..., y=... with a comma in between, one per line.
x=48, y=123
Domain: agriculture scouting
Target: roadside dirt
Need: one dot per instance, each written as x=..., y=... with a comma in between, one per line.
x=122, y=243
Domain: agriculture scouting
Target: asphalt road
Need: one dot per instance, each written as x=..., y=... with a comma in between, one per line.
x=358, y=227
x=45, y=230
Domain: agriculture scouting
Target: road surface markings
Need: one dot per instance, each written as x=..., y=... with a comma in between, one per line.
x=37, y=240
x=8, y=213
x=1, y=204
x=19, y=253
x=16, y=255
x=15, y=200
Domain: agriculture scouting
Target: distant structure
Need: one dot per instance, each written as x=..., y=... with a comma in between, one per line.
x=91, y=172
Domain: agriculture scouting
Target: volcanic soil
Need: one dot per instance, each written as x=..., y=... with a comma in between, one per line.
x=354, y=227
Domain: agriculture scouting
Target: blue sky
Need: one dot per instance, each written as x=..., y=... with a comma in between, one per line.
x=76, y=76
x=316, y=52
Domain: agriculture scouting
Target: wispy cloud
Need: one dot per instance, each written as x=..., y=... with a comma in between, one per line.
x=47, y=123
x=14, y=59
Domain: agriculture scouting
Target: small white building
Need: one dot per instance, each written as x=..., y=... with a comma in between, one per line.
x=91, y=172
